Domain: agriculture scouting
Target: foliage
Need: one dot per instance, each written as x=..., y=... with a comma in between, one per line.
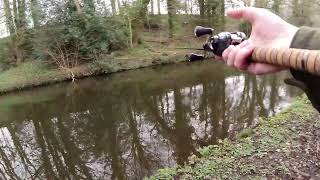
x=166, y=173
x=72, y=38
x=19, y=47
x=72, y=33
x=212, y=12
x=134, y=15
x=4, y=53
x=82, y=43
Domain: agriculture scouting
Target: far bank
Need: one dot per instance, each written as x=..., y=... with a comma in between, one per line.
x=37, y=73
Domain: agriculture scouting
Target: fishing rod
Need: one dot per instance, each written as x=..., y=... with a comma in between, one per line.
x=298, y=59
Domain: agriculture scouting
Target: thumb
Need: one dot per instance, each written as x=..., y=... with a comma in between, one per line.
x=246, y=13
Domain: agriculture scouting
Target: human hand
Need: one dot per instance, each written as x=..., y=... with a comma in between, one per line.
x=268, y=30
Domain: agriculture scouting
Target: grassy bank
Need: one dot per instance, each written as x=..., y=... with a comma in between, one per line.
x=282, y=147
x=38, y=73
x=156, y=49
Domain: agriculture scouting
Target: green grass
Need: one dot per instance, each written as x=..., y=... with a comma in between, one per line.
x=27, y=74
x=250, y=155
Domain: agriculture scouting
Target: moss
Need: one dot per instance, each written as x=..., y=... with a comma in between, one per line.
x=166, y=173
x=254, y=154
x=246, y=133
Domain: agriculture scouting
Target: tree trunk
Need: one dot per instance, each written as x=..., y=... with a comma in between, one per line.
x=130, y=33
x=201, y=8
x=15, y=12
x=159, y=5
x=80, y=12
x=186, y=9
x=90, y=7
x=8, y=15
x=78, y=7
x=152, y=7
x=119, y=4
x=139, y=19
x=113, y=7
x=222, y=12
x=171, y=16
x=35, y=13
x=22, y=21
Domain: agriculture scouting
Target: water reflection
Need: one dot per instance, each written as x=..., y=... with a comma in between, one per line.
x=128, y=125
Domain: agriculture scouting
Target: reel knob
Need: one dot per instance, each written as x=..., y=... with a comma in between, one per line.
x=195, y=57
x=201, y=31
x=242, y=35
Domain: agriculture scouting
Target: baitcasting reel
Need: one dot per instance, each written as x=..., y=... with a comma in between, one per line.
x=216, y=44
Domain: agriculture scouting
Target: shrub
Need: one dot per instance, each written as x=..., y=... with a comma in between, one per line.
x=74, y=40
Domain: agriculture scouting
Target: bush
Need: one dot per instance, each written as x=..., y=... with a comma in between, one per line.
x=76, y=40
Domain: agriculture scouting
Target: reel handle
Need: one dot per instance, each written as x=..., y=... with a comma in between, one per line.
x=201, y=31
x=298, y=59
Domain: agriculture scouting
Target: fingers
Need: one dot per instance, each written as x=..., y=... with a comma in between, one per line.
x=246, y=13
x=226, y=52
x=237, y=56
x=241, y=60
x=232, y=55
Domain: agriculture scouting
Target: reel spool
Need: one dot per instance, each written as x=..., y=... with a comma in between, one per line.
x=216, y=44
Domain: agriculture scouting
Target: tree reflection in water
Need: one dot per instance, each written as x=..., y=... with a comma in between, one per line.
x=129, y=125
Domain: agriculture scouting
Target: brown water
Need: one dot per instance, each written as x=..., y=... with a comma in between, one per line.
x=128, y=125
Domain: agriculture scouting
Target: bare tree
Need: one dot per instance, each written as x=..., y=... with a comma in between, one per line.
x=159, y=8
x=35, y=13
x=113, y=7
x=171, y=5
x=8, y=16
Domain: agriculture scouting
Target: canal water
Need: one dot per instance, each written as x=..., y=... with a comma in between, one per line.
x=130, y=124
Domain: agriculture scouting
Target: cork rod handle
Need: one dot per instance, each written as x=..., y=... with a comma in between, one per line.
x=298, y=59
